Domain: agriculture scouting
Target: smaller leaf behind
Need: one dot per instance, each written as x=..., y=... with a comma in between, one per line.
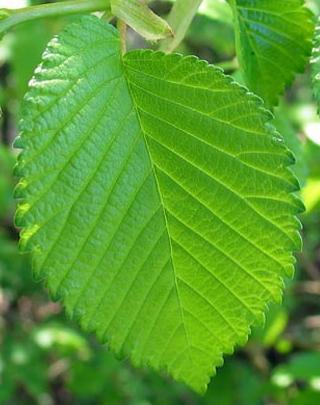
x=273, y=42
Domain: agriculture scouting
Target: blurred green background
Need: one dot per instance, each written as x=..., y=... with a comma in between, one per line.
x=46, y=359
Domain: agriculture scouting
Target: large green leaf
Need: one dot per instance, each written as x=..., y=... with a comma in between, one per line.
x=273, y=40
x=156, y=200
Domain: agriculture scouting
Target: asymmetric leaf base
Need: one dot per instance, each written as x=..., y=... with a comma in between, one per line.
x=155, y=198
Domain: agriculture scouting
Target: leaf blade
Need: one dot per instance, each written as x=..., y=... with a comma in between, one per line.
x=131, y=170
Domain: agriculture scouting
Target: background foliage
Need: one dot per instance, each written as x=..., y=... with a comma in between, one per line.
x=46, y=360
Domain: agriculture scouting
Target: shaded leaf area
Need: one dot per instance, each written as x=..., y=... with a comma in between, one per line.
x=273, y=43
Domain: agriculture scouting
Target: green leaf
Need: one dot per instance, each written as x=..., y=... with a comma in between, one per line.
x=141, y=18
x=273, y=43
x=155, y=198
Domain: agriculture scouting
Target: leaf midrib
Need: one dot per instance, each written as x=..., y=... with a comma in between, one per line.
x=181, y=308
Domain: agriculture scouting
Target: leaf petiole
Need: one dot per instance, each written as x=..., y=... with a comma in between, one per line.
x=122, y=28
x=179, y=19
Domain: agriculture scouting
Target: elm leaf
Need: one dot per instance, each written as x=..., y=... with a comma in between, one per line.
x=156, y=199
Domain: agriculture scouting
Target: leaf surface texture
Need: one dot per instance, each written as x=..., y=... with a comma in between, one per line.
x=156, y=199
